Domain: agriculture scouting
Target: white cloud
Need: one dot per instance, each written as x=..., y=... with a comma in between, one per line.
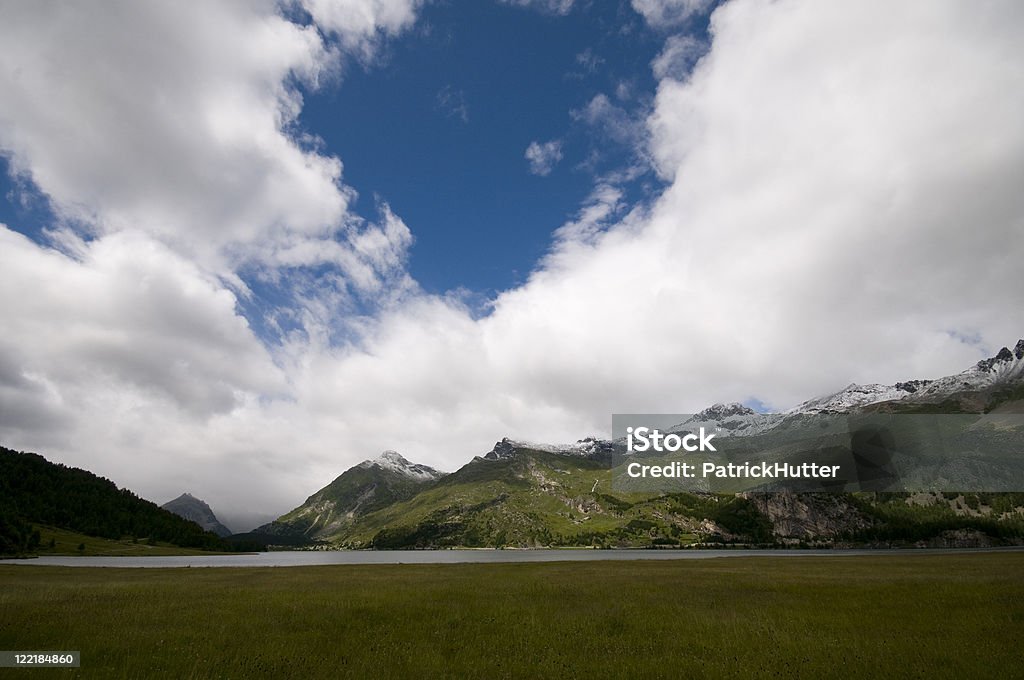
x=119, y=360
x=131, y=312
x=612, y=122
x=543, y=157
x=589, y=60
x=174, y=121
x=452, y=103
x=677, y=57
x=664, y=14
x=843, y=204
x=618, y=134
x=596, y=215
x=360, y=24
x=560, y=7
x=163, y=138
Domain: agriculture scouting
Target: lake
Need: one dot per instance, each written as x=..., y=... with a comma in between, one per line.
x=317, y=558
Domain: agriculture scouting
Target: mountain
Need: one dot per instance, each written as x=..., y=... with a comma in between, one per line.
x=529, y=498
x=589, y=446
x=731, y=420
x=852, y=396
x=519, y=496
x=34, y=490
x=394, y=462
x=522, y=494
x=980, y=388
x=983, y=386
x=369, y=486
x=193, y=509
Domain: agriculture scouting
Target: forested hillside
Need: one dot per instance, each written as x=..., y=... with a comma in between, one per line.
x=34, y=490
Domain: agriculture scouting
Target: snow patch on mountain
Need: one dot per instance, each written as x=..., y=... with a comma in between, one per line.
x=506, y=448
x=1005, y=367
x=850, y=397
x=729, y=420
x=396, y=462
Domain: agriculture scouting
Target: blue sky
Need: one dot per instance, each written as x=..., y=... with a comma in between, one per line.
x=437, y=123
x=561, y=215
x=439, y=128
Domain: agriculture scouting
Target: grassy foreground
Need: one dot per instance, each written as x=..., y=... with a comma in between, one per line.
x=935, y=616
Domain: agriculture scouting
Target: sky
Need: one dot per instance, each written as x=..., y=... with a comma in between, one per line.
x=246, y=245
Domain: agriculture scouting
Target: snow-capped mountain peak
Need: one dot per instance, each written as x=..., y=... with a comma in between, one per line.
x=583, y=447
x=396, y=462
x=1006, y=366
x=729, y=420
x=724, y=411
x=854, y=395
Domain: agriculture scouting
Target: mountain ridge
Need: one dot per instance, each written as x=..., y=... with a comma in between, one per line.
x=984, y=377
x=522, y=494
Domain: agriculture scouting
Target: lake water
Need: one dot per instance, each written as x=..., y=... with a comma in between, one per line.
x=316, y=558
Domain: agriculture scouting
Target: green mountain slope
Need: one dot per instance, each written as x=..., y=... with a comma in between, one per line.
x=523, y=497
x=526, y=497
x=363, y=489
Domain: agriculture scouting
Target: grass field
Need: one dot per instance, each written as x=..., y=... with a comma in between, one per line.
x=67, y=543
x=928, y=616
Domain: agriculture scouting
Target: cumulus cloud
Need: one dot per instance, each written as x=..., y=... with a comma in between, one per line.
x=130, y=311
x=543, y=157
x=175, y=121
x=164, y=140
x=842, y=203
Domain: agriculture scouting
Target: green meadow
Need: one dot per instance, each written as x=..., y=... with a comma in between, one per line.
x=54, y=541
x=892, y=616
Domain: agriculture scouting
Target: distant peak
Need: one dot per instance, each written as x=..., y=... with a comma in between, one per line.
x=387, y=458
x=196, y=510
x=503, y=449
x=396, y=462
x=719, y=411
x=390, y=456
x=507, y=448
x=1002, y=356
